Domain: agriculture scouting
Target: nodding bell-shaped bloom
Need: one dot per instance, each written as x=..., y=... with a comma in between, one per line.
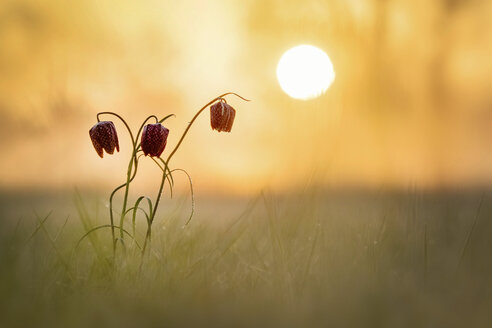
x=222, y=116
x=104, y=137
x=154, y=139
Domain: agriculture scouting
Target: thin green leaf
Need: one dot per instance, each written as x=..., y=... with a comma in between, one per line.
x=100, y=227
x=192, y=194
x=166, y=117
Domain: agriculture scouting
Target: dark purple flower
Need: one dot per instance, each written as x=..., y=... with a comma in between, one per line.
x=222, y=116
x=104, y=137
x=154, y=139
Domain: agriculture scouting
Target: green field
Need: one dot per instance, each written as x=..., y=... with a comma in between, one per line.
x=315, y=258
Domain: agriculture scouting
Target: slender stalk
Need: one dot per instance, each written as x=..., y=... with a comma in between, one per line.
x=148, y=237
x=158, y=198
x=142, y=125
x=133, y=160
x=121, y=119
x=117, y=188
x=132, y=165
x=195, y=117
x=182, y=138
x=111, y=200
x=127, y=189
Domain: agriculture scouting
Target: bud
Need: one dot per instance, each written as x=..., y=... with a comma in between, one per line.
x=222, y=116
x=154, y=139
x=104, y=137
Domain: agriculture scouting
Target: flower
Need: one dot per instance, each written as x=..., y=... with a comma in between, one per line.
x=222, y=116
x=154, y=139
x=104, y=137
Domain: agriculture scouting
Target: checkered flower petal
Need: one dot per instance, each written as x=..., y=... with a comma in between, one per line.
x=104, y=137
x=154, y=139
x=222, y=116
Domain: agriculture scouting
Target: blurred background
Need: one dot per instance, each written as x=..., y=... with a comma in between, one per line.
x=365, y=207
x=411, y=105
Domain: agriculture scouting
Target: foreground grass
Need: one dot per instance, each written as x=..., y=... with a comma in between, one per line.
x=309, y=259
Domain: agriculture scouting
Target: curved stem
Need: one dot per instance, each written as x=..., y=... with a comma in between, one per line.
x=141, y=126
x=156, y=204
x=195, y=117
x=148, y=237
x=122, y=120
x=165, y=118
x=127, y=189
x=100, y=227
x=132, y=166
x=133, y=161
x=168, y=175
x=192, y=194
x=111, y=201
x=129, y=176
x=127, y=182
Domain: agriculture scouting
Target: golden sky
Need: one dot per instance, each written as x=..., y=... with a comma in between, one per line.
x=411, y=104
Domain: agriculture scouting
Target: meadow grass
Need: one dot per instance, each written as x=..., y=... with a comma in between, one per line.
x=310, y=259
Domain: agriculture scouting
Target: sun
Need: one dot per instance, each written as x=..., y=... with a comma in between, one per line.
x=305, y=72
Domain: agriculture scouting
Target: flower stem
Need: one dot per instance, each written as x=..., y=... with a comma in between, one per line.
x=119, y=187
x=195, y=117
x=127, y=188
x=132, y=165
x=133, y=160
x=164, y=174
x=121, y=119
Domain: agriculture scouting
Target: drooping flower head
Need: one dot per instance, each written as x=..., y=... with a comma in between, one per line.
x=104, y=137
x=222, y=116
x=154, y=139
